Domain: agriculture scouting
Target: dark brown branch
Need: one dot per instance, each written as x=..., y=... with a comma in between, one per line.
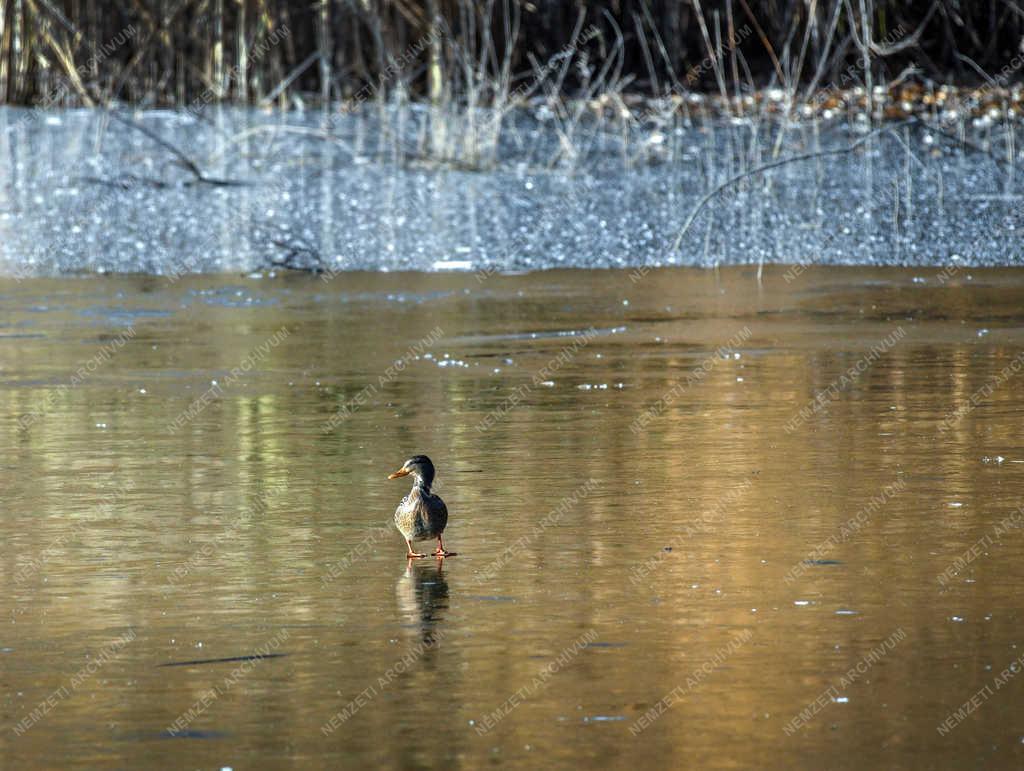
x=183, y=159
x=774, y=165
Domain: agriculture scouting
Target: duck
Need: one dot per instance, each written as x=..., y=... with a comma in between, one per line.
x=421, y=515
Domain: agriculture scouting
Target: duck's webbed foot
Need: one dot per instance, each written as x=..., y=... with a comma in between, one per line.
x=440, y=551
x=411, y=554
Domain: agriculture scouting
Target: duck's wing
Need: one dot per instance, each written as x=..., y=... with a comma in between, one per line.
x=438, y=513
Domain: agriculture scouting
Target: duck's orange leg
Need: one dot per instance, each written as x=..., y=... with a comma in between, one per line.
x=412, y=554
x=440, y=551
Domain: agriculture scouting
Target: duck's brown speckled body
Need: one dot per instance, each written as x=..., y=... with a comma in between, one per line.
x=421, y=515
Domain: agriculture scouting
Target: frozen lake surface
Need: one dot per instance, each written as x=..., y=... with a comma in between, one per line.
x=82, y=192
x=734, y=546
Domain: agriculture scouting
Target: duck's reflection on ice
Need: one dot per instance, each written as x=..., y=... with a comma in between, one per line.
x=422, y=594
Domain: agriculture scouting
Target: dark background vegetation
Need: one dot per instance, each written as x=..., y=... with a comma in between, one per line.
x=177, y=51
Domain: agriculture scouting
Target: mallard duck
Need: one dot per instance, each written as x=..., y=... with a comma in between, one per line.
x=421, y=515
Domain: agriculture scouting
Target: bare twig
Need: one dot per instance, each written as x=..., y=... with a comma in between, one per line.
x=295, y=73
x=774, y=165
x=183, y=159
x=962, y=141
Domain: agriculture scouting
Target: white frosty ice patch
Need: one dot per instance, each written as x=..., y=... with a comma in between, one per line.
x=453, y=265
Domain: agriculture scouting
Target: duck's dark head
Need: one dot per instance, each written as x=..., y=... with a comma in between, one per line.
x=420, y=467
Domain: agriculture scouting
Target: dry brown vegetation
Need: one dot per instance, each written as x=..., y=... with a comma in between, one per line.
x=179, y=52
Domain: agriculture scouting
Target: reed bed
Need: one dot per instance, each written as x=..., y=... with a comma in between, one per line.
x=441, y=78
x=166, y=52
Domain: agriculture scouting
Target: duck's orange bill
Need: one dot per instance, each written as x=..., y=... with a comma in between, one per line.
x=400, y=473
